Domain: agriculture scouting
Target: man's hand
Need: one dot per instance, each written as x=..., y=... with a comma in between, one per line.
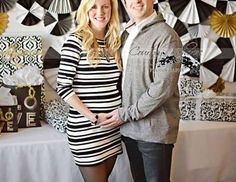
x=112, y=121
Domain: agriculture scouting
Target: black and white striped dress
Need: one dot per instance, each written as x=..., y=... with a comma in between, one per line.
x=97, y=88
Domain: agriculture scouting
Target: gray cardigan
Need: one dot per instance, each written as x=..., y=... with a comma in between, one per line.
x=150, y=99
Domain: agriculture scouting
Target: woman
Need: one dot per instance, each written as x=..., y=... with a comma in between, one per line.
x=88, y=80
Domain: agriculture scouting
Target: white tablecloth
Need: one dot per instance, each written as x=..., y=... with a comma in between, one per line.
x=204, y=152
x=42, y=155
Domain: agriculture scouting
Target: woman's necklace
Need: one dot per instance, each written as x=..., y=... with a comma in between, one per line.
x=104, y=52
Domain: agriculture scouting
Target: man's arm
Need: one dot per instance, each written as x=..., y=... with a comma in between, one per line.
x=164, y=83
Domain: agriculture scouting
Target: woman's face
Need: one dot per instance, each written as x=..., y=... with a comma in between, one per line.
x=99, y=15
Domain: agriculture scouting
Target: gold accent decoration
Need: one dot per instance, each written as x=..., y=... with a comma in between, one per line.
x=223, y=24
x=8, y=115
x=30, y=101
x=218, y=86
x=11, y=53
x=3, y=22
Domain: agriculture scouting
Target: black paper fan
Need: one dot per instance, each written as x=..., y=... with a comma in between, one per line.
x=203, y=51
x=226, y=6
x=58, y=24
x=51, y=63
x=179, y=27
x=59, y=6
x=29, y=12
x=123, y=16
x=6, y=5
x=192, y=11
x=223, y=64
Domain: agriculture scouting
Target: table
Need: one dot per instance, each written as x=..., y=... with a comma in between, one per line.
x=42, y=154
x=204, y=152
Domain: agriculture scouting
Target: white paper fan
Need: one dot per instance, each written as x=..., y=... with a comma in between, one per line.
x=209, y=50
x=233, y=42
x=228, y=71
x=231, y=7
x=207, y=77
x=190, y=14
x=59, y=7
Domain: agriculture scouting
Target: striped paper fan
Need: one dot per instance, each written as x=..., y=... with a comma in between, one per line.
x=29, y=12
x=192, y=11
x=6, y=5
x=60, y=6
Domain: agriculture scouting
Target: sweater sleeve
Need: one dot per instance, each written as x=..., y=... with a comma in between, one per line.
x=164, y=84
x=70, y=56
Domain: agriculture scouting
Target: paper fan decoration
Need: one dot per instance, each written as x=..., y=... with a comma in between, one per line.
x=6, y=5
x=29, y=12
x=51, y=66
x=3, y=22
x=123, y=16
x=179, y=27
x=192, y=11
x=224, y=64
x=58, y=24
x=222, y=24
x=60, y=6
x=226, y=6
x=199, y=30
x=160, y=5
x=203, y=50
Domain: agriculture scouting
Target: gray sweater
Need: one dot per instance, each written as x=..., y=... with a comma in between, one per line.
x=150, y=103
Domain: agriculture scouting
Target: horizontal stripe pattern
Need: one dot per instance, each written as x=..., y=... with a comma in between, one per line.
x=97, y=88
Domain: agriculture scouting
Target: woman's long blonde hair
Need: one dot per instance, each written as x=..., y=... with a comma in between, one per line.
x=89, y=41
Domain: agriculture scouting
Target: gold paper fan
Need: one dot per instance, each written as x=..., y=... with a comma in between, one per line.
x=222, y=24
x=3, y=22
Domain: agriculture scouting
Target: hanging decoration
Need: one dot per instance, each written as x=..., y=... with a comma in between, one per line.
x=51, y=65
x=3, y=22
x=123, y=16
x=227, y=53
x=29, y=12
x=222, y=24
x=199, y=30
x=227, y=59
x=60, y=6
x=161, y=5
x=192, y=11
x=6, y=5
x=203, y=50
x=179, y=27
x=226, y=6
x=58, y=24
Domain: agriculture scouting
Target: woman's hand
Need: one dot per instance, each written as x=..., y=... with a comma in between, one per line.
x=101, y=117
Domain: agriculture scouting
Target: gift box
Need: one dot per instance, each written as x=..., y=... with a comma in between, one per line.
x=189, y=86
x=28, y=109
x=19, y=51
x=8, y=118
x=217, y=108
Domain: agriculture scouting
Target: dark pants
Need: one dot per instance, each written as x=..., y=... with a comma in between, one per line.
x=149, y=162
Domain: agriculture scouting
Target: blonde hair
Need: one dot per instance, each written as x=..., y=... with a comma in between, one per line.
x=112, y=35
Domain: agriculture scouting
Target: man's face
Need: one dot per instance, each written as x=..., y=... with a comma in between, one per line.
x=139, y=9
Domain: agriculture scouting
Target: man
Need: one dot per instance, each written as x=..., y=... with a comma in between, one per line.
x=149, y=116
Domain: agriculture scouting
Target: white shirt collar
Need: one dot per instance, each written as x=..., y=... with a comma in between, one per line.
x=147, y=20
